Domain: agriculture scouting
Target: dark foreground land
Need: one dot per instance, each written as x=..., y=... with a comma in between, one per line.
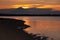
x=12, y=29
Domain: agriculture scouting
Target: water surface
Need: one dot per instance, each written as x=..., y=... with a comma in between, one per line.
x=43, y=25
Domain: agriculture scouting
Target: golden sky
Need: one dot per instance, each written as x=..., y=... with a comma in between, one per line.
x=25, y=6
x=9, y=2
x=41, y=3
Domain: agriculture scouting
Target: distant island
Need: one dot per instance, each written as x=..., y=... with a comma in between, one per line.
x=30, y=12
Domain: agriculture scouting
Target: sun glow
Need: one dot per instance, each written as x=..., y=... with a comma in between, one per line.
x=16, y=6
x=26, y=6
x=31, y=6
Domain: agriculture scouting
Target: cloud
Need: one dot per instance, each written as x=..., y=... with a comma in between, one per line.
x=9, y=2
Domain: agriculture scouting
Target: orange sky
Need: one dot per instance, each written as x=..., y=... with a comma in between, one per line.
x=9, y=3
x=55, y=7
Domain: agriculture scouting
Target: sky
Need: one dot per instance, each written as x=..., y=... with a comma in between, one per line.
x=10, y=2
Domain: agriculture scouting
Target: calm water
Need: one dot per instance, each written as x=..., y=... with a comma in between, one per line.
x=49, y=26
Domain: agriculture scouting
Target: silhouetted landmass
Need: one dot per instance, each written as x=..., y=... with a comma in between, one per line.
x=13, y=29
x=30, y=11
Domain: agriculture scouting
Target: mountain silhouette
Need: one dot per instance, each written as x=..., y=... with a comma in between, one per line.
x=31, y=11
